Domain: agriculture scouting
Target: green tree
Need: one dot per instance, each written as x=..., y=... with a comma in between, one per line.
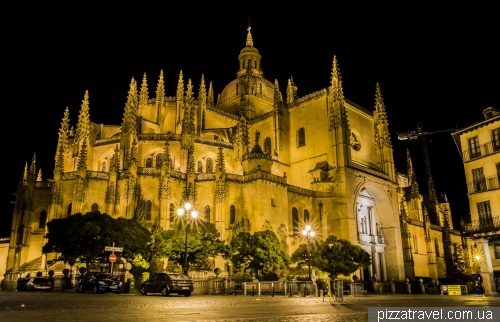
x=260, y=252
x=203, y=243
x=82, y=238
x=337, y=256
x=456, y=270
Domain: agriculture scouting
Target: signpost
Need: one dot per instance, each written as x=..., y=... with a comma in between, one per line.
x=112, y=257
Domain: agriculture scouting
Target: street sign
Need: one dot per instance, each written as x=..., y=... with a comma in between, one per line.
x=112, y=258
x=113, y=249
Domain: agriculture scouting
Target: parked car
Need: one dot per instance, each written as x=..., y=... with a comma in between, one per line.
x=166, y=283
x=99, y=283
x=39, y=284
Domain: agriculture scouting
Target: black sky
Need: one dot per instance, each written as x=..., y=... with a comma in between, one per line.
x=438, y=66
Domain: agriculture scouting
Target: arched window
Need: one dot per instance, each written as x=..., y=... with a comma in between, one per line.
x=307, y=219
x=436, y=244
x=68, y=212
x=320, y=212
x=207, y=213
x=95, y=207
x=267, y=145
x=43, y=219
x=295, y=221
x=159, y=160
x=301, y=137
x=232, y=214
x=173, y=211
x=149, y=163
x=103, y=169
x=200, y=166
x=148, y=209
x=209, y=165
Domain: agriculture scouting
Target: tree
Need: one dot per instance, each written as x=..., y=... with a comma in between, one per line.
x=456, y=270
x=203, y=243
x=260, y=252
x=82, y=238
x=337, y=256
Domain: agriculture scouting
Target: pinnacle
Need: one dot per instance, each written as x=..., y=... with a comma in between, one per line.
x=249, y=37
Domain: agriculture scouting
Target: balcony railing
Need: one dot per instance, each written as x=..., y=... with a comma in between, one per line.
x=484, y=184
x=482, y=225
x=484, y=150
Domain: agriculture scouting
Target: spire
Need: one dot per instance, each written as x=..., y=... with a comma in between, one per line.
x=83, y=125
x=278, y=98
x=220, y=164
x=25, y=173
x=290, y=97
x=62, y=141
x=249, y=37
x=82, y=161
x=180, y=88
x=39, y=176
x=115, y=161
x=133, y=153
x=165, y=165
x=190, y=165
x=160, y=89
x=202, y=95
x=382, y=136
x=144, y=95
x=129, y=124
x=59, y=167
x=338, y=118
x=210, y=98
x=415, y=192
x=32, y=171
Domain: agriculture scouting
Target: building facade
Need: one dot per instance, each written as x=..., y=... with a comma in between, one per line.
x=252, y=156
x=479, y=147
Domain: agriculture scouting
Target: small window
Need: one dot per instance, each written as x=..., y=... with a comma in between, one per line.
x=478, y=179
x=207, y=213
x=95, y=207
x=301, y=137
x=267, y=145
x=103, y=168
x=200, y=166
x=475, y=152
x=295, y=221
x=149, y=163
x=69, y=209
x=148, y=209
x=159, y=160
x=209, y=165
x=415, y=244
x=484, y=214
x=307, y=219
x=43, y=219
x=495, y=138
x=232, y=214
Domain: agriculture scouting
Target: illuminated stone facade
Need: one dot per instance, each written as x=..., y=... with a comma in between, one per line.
x=252, y=156
x=479, y=147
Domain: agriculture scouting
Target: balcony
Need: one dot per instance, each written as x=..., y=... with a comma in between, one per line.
x=483, y=226
x=484, y=184
x=484, y=150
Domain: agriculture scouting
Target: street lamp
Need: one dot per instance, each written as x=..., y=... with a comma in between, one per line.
x=308, y=233
x=192, y=214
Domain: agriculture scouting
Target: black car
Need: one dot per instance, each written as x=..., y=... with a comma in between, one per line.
x=166, y=283
x=39, y=284
x=99, y=283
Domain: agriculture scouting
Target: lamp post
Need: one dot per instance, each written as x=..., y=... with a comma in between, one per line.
x=192, y=214
x=308, y=233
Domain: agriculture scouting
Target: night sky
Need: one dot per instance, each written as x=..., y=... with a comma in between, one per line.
x=436, y=66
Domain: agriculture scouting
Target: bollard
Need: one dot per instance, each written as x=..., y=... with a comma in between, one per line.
x=272, y=288
x=253, y=290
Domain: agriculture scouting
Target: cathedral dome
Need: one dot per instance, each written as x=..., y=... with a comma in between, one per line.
x=249, y=81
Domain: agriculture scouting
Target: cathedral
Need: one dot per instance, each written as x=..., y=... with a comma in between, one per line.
x=252, y=155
